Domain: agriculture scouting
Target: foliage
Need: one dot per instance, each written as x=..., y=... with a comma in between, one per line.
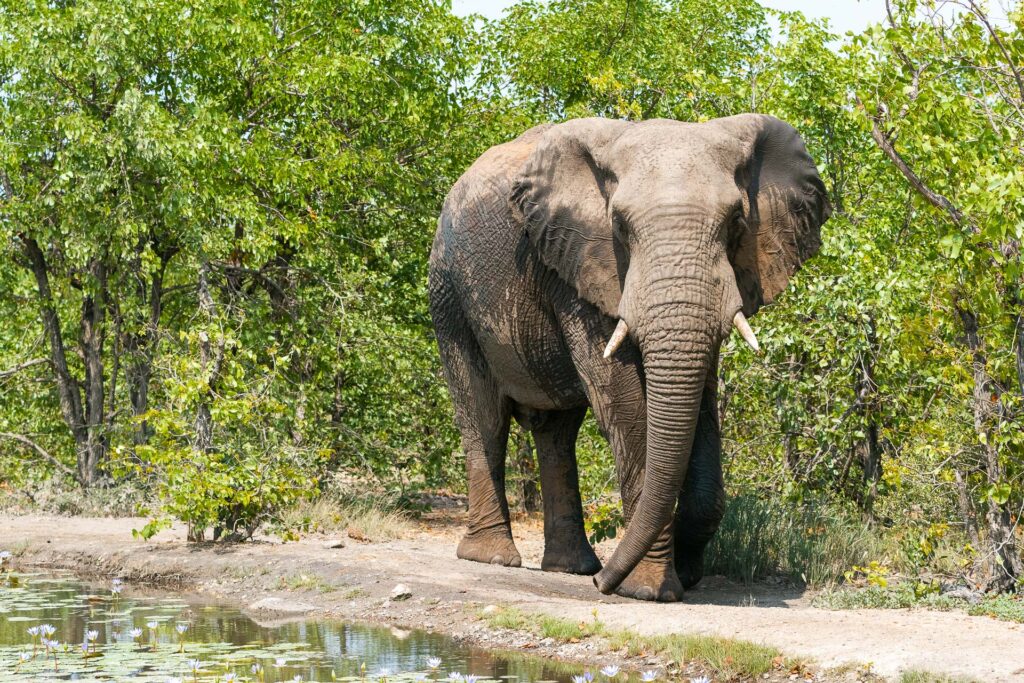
x=907, y=594
x=216, y=219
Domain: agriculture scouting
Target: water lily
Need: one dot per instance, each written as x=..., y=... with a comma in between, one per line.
x=153, y=625
x=454, y=676
x=181, y=628
x=92, y=635
x=135, y=633
x=33, y=631
x=649, y=676
x=470, y=678
x=579, y=679
x=611, y=671
x=25, y=656
x=433, y=662
x=230, y=678
x=195, y=665
x=419, y=677
x=588, y=677
x=383, y=673
x=47, y=630
x=280, y=661
x=297, y=679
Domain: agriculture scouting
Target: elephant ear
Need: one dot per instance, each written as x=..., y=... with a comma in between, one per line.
x=562, y=192
x=785, y=204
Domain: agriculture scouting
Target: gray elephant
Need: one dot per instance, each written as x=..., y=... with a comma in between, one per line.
x=600, y=263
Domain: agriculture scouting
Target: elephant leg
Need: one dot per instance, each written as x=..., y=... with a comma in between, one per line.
x=482, y=415
x=616, y=393
x=566, y=548
x=702, y=502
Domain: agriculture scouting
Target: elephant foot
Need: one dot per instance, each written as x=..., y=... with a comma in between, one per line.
x=490, y=548
x=690, y=568
x=576, y=557
x=652, y=581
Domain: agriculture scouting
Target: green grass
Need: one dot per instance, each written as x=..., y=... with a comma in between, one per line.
x=902, y=596
x=916, y=676
x=724, y=657
x=812, y=545
x=307, y=582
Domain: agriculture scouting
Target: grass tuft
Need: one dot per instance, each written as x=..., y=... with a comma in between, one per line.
x=812, y=545
x=902, y=596
x=725, y=657
x=917, y=676
x=362, y=518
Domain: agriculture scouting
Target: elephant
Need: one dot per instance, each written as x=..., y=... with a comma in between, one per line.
x=600, y=264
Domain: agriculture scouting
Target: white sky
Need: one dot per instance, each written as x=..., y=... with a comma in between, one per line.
x=843, y=15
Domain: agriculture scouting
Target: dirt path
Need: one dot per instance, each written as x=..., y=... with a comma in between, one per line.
x=354, y=582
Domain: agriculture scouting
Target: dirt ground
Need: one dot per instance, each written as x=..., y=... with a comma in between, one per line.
x=306, y=578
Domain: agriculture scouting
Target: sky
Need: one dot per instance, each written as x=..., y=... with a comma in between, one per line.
x=843, y=15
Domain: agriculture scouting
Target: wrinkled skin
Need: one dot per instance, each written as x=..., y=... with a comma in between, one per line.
x=549, y=240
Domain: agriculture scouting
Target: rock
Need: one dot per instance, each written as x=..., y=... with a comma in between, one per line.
x=401, y=592
x=282, y=606
x=964, y=593
x=491, y=609
x=334, y=543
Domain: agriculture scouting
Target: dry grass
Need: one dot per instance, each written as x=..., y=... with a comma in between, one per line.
x=363, y=519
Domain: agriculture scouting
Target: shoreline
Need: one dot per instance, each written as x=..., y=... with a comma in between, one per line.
x=472, y=602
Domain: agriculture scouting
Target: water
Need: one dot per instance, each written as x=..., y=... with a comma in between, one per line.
x=222, y=639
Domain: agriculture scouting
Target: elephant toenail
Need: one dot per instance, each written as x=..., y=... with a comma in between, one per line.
x=497, y=559
x=644, y=593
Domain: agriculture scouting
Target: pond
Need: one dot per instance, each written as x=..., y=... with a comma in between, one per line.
x=56, y=629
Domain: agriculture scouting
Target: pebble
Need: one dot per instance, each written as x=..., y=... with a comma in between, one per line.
x=334, y=543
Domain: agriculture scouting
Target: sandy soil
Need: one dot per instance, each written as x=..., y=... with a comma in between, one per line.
x=354, y=582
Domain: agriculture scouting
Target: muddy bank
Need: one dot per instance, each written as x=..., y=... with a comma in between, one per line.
x=273, y=580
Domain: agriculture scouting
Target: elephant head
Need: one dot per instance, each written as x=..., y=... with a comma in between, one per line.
x=679, y=231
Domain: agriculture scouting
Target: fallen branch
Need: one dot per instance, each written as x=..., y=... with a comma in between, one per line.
x=41, y=451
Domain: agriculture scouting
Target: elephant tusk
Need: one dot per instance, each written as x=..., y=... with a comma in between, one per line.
x=740, y=321
x=621, y=330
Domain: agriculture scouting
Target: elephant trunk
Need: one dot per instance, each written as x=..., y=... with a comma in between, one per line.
x=677, y=333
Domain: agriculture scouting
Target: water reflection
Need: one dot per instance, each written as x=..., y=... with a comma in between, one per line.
x=223, y=640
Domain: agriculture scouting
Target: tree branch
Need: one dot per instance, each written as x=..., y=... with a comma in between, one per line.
x=933, y=198
x=41, y=451
x=18, y=368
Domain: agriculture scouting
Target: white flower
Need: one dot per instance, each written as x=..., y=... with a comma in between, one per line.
x=611, y=671
x=135, y=633
x=384, y=673
x=470, y=678
x=255, y=668
x=280, y=661
x=92, y=635
x=194, y=664
x=297, y=679
x=454, y=676
x=181, y=628
x=25, y=656
x=33, y=631
x=433, y=662
x=579, y=679
x=649, y=676
x=47, y=630
x=588, y=677
x=419, y=677
x=230, y=678
x=154, y=625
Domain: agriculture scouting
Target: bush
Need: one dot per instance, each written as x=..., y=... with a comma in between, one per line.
x=812, y=544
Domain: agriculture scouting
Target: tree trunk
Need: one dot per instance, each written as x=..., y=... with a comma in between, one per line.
x=527, y=471
x=868, y=448
x=91, y=340
x=140, y=347
x=67, y=388
x=1003, y=560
